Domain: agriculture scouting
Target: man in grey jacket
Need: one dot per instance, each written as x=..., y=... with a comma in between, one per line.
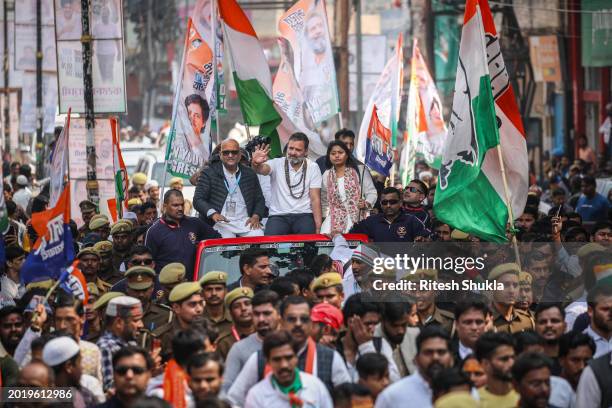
x=229, y=195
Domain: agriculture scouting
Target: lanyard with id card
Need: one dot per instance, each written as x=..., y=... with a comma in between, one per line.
x=230, y=205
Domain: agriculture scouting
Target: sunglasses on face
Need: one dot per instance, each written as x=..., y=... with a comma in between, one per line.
x=122, y=370
x=142, y=261
x=414, y=190
x=389, y=202
x=295, y=319
x=230, y=152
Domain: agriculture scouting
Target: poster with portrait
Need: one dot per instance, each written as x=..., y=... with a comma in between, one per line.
x=190, y=141
x=106, y=19
x=304, y=27
x=25, y=12
x=108, y=60
x=25, y=48
x=28, y=102
x=15, y=76
x=104, y=149
x=108, y=76
x=68, y=20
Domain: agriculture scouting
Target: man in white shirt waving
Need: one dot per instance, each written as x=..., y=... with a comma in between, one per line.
x=295, y=202
x=286, y=386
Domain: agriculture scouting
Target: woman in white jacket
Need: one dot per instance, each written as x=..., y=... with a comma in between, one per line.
x=347, y=191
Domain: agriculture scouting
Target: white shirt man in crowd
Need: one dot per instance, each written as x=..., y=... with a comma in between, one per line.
x=295, y=204
x=286, y=385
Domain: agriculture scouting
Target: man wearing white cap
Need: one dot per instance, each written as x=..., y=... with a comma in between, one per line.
x=63, y=355
x=22, y=194
x=152, y=189
x=123, y=321
x=355, y=264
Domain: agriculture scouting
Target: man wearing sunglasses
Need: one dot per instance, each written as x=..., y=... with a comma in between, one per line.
x=312, y=358
x=414, y=195
x=228, y=194
x=131, y=372
x=393, y=224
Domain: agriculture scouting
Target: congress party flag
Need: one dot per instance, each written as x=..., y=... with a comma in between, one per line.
x=379, y=152
x=53, y=251
x=59, y=163
x=189, y=141
x=386, y=98
x=251, y=73
x=426, y=130
x=121, y=176
x=470, y=192
x=72, y=281
x=309, y=52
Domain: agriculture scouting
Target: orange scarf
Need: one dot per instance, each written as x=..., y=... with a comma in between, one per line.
x=310, y=357
x=174, y=385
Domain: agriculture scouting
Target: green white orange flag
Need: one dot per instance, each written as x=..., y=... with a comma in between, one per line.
x=121, y=176
x=251, y=73
x=425, y=126
x=386, y=97
x=470, y=193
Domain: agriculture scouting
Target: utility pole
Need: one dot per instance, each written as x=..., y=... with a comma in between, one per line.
x=342, y=14
x=5, y=67
x=40, y=146
x=358, y=57
x=90, y=121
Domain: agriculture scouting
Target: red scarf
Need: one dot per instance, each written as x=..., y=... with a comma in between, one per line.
x=174, y=385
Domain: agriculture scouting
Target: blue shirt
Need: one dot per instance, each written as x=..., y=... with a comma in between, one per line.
x=405, y=228
x=170, y=242
x=593, y=209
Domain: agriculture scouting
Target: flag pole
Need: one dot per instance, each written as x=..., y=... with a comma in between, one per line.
x=46, y=299
x=508, y=204
x=213, y=16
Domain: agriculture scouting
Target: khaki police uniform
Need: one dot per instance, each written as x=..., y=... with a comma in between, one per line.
x=225, y=343
x=170, y=276
x=519, y=320
x=120, y=227
x=165, y=333
x=224, y=324
x=109, y=274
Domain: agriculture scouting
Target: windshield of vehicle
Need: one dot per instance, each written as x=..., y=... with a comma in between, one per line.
x=285, y=256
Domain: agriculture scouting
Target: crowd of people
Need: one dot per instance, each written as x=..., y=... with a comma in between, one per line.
x=150, y=334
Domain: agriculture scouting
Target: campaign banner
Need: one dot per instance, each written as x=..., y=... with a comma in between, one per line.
x=108, y=76
x=15, y=76
x=190, y=140
x=305, y=28
x=108, y=60
x=78, y=193
x=379, y=152
x=25, y=48
x=59, y=164
x=53, y=250
x=27, y=117
x=25, y=12
x=14, y=118
x=104, y=149
x=289, y=98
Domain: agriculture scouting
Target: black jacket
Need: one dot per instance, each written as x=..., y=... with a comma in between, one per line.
x=211, y=192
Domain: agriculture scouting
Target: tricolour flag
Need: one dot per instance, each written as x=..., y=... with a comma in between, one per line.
x=59, y=163
x=470, y=192
x=251, y=73
x=426, y=130
x=121, y=176
x=53, y=251
x=386, y=97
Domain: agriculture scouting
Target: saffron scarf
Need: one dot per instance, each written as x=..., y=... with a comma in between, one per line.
x=174, y=385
